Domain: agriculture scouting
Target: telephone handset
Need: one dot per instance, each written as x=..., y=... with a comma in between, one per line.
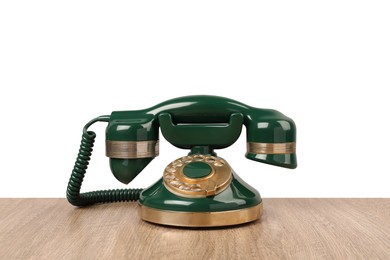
x=199, y=189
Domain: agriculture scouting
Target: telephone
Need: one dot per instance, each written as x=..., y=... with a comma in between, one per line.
x=199, y=189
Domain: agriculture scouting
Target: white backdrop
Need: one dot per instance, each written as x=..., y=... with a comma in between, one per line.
x=326, y=64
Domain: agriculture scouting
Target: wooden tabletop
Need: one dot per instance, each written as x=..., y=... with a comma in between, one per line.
x=289, y=229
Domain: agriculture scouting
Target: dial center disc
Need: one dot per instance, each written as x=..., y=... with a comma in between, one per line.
x=196, y=170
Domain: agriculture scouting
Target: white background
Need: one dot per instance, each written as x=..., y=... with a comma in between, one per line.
x=326, y=64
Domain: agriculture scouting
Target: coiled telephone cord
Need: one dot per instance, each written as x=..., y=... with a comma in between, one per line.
x=80, y=167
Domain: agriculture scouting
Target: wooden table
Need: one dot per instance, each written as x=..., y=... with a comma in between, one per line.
x=289, y=229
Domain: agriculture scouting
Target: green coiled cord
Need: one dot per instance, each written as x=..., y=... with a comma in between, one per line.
x=80, y=167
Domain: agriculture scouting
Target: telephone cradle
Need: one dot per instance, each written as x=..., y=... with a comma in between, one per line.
x=199, y=189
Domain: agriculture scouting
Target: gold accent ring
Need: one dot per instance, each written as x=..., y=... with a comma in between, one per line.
x=271, y=148
x=201, y=219
x=132, y=149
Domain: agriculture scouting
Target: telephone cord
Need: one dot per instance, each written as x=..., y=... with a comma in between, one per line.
x=84, y=156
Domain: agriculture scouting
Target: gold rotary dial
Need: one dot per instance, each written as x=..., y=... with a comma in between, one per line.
x=213, y=178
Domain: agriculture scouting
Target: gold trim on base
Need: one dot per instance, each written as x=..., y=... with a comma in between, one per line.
x=201, y=219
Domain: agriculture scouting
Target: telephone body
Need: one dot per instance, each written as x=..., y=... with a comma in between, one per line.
x=199, y=189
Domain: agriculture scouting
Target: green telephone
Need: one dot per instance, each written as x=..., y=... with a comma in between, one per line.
x=199, y=189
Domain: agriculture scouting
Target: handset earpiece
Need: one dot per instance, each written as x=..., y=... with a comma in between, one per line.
x=271, y=138
x=131, y=143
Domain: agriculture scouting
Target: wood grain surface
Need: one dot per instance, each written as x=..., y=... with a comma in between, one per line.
x=289, y=229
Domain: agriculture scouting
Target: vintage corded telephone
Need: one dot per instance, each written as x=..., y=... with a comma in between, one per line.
x=199, y=189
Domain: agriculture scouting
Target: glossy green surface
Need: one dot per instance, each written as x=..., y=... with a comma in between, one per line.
x=204, y=123
x=199, y=123
x=206, y=150
x=216, y=136
x=263, y=125
x=238, y=195
x=282, y=160
x=125, y=170
x=196, y=170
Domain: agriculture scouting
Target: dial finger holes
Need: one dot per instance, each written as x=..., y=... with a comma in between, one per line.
x=198, y=158
x=195, y=187
x=176, y=183
x=169, y=176
x=186, y=159
x=170, y=169
x=177, y=163
x=210, y=159
x=184, y=187
x=219, y=163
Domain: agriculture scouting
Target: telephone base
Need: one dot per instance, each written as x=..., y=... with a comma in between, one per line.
x=201, y=219
x=200, y=191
